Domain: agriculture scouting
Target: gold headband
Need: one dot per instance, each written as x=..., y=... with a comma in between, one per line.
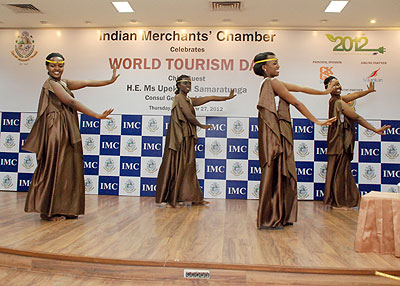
x=184, y=80
x=266, y=60
x=54, y=62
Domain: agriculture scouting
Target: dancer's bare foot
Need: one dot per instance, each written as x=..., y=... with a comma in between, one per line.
x=52, y=218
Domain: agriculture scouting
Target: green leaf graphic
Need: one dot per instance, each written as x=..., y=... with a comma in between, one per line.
x=330, y=37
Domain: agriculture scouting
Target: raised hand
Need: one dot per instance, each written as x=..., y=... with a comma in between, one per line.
x=231, y=94
x=114, y=75
x=105, y=114
x=371, y=87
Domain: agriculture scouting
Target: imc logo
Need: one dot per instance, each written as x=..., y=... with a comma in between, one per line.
x=130, y=166
x=393, y=133
x=91, y=164
x=110, y=145
x=24, y=181
x=303, y=129
x=152, y=146
x=89, y=125
x=320, y=151
x=148, y=187
x=390, y=174
x=8, y=162
x=10, y=121
x=305, y=171
x=218, y=127
x=254, y=170
x=108, y=185
x=200, y=148
x=166, y=120
x=370, y=152
x=253, y=127
x=131, y=125
x=319, y=191
x=237, y=148
x=215, y=169
x=236, y=190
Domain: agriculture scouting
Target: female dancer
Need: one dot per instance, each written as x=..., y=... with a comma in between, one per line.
x=278, y=187
x=340, y=188
x=57, y=190
x=177, y=179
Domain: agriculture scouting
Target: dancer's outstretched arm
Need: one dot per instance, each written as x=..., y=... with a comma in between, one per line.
x=352, y=96
x=197, y=101
x=78, y=84
x=67, y=99
x=350, y=113
x=298, y=88
x=283, y=92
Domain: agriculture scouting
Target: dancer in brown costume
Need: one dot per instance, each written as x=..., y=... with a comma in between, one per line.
x=278, y=187
x=177, y=178
x=57, y=190
x=340, y=188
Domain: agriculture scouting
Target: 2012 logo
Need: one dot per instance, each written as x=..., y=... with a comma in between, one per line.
x=358, y=44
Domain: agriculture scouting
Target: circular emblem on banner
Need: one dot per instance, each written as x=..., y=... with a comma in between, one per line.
x=151, y=166
x=29, y=121
x=256, y=191
x=303, y=192
x=237, y=169
x=129, y=186
x=215, y=189
x=109, y=165
x=89, y=144
x=9, y=141
x=323, y=130
x=152, y=125
x=7, y=182
x=130, y=145
x=302, y=150
x=215, y=148
x=255, y=149
x=392, y=152
x=111, y=124
x=28, y=162
x=89, y=186
x=322, y=171
x=238, y=127
x=368, y=133
x=24, y=48
x=392, y=190
x=369, y=172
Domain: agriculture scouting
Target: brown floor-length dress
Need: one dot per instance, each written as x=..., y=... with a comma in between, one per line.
x=278, y=187
x=340, y=187
x=57, y=186
x=177, y=178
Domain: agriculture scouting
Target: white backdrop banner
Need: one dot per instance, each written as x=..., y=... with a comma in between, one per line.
x=120, y=159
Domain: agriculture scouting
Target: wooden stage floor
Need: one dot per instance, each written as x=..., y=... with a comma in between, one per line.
x=134, y=231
